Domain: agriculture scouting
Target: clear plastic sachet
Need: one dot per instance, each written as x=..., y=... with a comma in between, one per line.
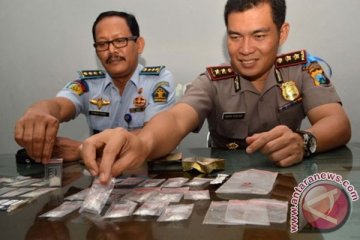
x=97, y=197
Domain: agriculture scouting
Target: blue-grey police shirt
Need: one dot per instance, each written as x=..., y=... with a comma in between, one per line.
x=99, y=100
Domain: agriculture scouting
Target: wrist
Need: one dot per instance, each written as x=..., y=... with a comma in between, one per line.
x=309, y=142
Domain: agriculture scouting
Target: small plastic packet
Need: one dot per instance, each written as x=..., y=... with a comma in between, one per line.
x=197, y=182
x=220, y=178
x=197, y=195
x=175, y=182
x=38, y=192
x=171, y=197
x=277, y=210
x=10, y=205
x=151, y=208
x=79, y=196
x=121, y=209
x=117, y=195
x=245, y=212
x=140, y=195
x=64, y=209
x=4, y=190
x=17, y=192
x=251, y=181
x=53, y=172
x=216, y=213
x=129, y=182
x=97, y=197
x=176, y=212
x=153, y=182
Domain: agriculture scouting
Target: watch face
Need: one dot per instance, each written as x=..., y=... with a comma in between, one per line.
x=312, y=144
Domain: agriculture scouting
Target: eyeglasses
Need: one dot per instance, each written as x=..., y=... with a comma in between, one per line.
x=117, y=43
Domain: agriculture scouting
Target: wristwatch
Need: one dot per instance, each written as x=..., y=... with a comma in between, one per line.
x=309, y=142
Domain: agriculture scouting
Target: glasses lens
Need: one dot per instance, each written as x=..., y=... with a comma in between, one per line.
x=120, y=42
x=101, y=46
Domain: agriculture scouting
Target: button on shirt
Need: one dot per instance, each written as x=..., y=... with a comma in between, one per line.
x=254, y=111
x=103, y=116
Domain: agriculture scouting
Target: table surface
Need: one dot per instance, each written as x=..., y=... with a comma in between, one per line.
x=24, y=223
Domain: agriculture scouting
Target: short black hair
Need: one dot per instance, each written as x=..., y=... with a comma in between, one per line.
x=278, y=9
x=129, y=18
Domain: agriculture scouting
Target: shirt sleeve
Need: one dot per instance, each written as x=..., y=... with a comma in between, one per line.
x=317, y=95
x=163, y=95
x=200, y=94
x=76, y=93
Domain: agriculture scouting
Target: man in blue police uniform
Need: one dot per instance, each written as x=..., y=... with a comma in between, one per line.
x=126, y=95
x=256, y=103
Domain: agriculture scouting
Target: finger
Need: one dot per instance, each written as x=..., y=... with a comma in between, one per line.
x=289, y=161
x=110, y=155
x=262, y=139
x=88, y=154
x=28, y=139
x=19, y=133
x=38, y=138
x=49, y=140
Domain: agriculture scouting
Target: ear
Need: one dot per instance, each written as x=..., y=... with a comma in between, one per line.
x=140, y=43
x=284, y=32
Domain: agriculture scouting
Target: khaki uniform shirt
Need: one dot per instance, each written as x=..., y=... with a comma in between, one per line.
x=235, y=109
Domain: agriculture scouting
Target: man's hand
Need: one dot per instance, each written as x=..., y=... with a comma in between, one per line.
x=36, y=132
x=112, y=151
x=67, y=149
x=281, y=145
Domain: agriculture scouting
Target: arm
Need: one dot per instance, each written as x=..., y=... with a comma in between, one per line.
x=330, y=125
x=36, y=130
x=123, y=150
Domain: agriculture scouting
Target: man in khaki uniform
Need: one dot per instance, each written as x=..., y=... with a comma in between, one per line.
x=257, y=102
x=235, y=109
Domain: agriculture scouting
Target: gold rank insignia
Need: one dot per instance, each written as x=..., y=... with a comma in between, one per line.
x=91, y=74
x=220, y=72
x=155, y=70
x=79, y=87
x=291, y=59
x=289, y=91
x=100, y=102
x=139, y=102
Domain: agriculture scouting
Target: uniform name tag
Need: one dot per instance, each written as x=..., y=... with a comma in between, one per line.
x=233, y=115
x=100, y=114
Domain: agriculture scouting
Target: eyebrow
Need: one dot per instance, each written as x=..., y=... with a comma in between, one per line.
x=261, y=30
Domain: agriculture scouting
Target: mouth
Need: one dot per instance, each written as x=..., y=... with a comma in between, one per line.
x=248, y=62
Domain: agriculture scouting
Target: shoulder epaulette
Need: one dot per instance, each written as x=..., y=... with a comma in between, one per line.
x=91, y=74
x=291, y=59
x=220, y=72
x=154, y=70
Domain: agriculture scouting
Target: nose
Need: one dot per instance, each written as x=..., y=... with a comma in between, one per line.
x=247, y=46
x=112, y=48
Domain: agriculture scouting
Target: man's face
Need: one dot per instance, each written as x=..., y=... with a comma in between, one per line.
x=120, y=63
x=253, y=41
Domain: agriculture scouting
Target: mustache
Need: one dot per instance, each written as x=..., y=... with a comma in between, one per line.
x=114, y=57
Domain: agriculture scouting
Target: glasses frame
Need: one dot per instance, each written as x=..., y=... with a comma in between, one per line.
x=125, y=39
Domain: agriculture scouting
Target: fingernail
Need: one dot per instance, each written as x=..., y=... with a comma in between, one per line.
x=103, y=178
x=93, y=172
